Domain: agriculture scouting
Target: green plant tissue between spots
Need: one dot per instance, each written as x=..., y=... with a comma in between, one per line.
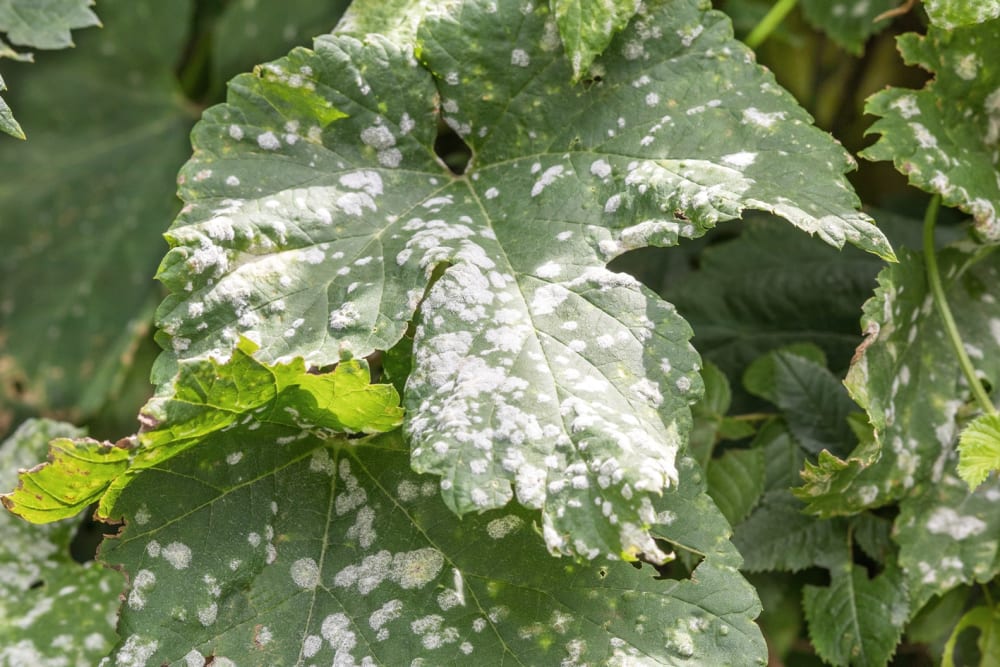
x=320, y=218
x=418, y=402
x=307, y=552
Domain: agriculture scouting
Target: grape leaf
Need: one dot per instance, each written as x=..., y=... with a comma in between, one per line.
x=53, y=610
x=856, y=620
x=950, y=14
x=979, y=449
x=908, y=380
x=849, y=24
x=587, y=27
x=321, y=212
x=945, y=137
x=335, y=551
x=208, y=396
x=948, y=537
x=84, y=203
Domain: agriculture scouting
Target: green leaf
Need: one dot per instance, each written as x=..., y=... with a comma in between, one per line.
x=587, y=27
x=857, y=620
x=335, y=551
x=987, y=621
x=948, y=537
x=849, y=24
x=945, y=137
x=84, y=203
x=7, y=122
x=778, y=536
x=736, y=482
x=321, y=217
x=909, y=382
x=813, y=402
x=398, y=19
x=950, y=14
x=45, y=24
x=76, y=475
x=53, y=610
x=771, y=287
x=208, y=397
x=979, y=449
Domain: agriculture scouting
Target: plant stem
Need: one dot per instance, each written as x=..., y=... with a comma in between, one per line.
x=941, y=302
x=767, y=25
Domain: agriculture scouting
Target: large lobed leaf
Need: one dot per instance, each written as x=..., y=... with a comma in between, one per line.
x=946, y=137
x=53, y=610
x=312, y=552
x=317, y=213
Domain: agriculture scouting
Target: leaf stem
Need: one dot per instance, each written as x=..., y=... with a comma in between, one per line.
x=771, y=20
x=941, y=302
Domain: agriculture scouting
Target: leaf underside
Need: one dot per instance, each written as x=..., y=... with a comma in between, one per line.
x=318, y=210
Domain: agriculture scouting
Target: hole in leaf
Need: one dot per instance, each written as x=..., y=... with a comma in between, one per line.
x=452, y=149
x=88, y=537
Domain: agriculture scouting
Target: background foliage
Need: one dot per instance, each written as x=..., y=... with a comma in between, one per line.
x=469, y=260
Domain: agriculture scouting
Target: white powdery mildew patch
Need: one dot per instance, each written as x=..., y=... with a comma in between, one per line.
x=344, y=316
x=305, y=573
x=946, y=521
x=268, y=141
x=906, y=105
x=136, y=652
x=504, y=526
x=177, y=554
x=408, y=569
x=520, y=58
x=144, y=580
x=548, y=177
x=754, y=116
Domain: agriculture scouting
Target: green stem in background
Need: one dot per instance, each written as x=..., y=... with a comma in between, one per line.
x=941, y=302
x=769, y=23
